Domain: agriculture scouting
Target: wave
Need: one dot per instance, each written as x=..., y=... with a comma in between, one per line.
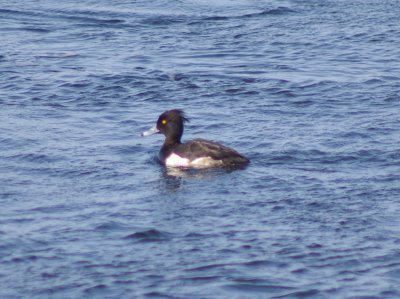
x=150, y=235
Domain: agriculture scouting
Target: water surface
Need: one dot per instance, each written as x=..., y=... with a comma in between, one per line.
x=308, y=90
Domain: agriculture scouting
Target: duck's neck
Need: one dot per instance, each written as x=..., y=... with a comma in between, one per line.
x=173, y=134
x=172, y=140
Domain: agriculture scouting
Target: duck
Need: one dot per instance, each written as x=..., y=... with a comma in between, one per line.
x=197, y=153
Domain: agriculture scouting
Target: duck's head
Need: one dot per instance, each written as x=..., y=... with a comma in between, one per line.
x=170, y=123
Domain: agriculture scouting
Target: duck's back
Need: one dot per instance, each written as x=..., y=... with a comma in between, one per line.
x=205, y=153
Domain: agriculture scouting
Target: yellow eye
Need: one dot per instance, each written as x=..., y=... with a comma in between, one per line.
x=164, y=121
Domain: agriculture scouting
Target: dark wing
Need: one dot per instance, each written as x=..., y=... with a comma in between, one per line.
x=204, y=148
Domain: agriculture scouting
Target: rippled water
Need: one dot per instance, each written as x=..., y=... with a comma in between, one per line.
x=308, y=90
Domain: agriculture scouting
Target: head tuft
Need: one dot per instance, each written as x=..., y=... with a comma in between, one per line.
x=179, y=114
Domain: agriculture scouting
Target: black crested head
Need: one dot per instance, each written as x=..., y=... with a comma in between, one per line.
x=171, y=123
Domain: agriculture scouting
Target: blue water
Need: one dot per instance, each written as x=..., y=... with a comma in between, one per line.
x=308, y=90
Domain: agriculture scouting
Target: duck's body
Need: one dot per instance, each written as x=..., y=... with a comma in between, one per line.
x=198, y=153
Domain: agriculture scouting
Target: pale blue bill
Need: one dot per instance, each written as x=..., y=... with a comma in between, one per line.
x=150, y=132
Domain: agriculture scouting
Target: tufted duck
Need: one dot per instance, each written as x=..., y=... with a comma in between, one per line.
x=198, y=153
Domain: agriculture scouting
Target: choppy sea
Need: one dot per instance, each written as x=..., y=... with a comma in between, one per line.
x=308, y=90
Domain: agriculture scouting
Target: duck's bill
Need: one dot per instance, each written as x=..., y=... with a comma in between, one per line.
x=150, y=132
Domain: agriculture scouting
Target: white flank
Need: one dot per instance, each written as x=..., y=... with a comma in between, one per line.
x=176, y=161
x=204, y=162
